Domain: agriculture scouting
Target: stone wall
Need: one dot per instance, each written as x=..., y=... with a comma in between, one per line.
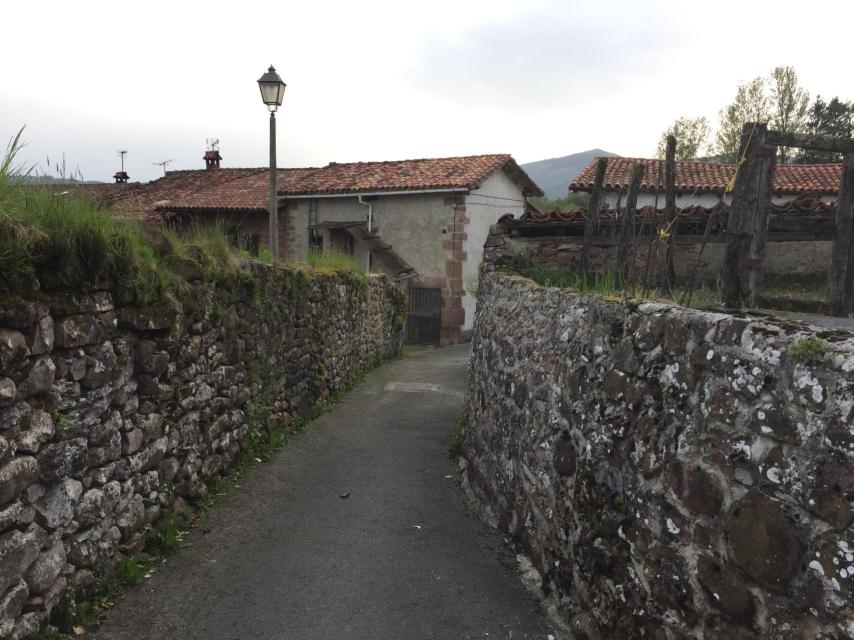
x=669, y=473
x=108, y=416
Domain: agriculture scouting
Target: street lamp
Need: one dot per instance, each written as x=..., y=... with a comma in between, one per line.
x=272, y=92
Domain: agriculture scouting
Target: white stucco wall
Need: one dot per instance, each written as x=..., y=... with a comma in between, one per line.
x=412, y=224
x=496, y=196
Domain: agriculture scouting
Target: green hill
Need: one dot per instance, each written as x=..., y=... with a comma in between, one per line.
x=555, y=174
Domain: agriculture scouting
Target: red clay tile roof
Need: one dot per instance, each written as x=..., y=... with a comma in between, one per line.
x=202, y=189
x=247, y=192
x=466, y=172
x=246, y=189
x=704, y=177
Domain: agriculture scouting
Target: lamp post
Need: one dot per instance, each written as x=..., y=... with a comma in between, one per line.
x=272, y=92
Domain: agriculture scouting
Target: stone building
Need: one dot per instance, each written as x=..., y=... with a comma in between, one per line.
x=704, y=183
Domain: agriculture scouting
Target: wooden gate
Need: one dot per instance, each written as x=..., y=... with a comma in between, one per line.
x=424, y=318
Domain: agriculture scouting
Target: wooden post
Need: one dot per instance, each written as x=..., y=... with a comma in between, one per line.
x=670, y=210
x=627, y=225
x=842, y=263
x=593, y=214
x=747, y=227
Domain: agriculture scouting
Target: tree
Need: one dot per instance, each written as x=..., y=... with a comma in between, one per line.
x=691, y=137
x=789, y=106
x=750, y=105
x=834, y=119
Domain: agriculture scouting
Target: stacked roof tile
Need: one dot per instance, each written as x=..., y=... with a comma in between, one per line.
x=710, y=177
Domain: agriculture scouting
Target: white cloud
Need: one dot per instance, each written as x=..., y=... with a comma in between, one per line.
x=389, y=79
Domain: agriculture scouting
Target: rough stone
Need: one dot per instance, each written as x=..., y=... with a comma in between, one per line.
x=698, y=490
x=40, y=431
x=132, y=519
x=43, y=572
x=17, y=552
x=40, y=377
x=11, y=603
x=16, y=476
x=13, y=350
x=8, y=392
x=43, y=338
x=82, y=330
x=12, y=419
x=22, y=315
x=727, y=592
x=60, y=459
x=90, y=510
x=56, y=507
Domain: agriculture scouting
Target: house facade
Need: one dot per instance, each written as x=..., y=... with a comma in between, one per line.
x=423, y=222
x=704, y=183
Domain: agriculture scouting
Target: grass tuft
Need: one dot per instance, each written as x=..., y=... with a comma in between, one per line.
x=333, y=260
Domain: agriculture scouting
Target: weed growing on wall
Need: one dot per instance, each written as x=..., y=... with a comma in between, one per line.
x=809, y=350
x=455, y=443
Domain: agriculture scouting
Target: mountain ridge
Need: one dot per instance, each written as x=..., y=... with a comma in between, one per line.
x=554, y=174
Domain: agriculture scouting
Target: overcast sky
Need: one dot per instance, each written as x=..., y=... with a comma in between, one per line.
x=377, y=80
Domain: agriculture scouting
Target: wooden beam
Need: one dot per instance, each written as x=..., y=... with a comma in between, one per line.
x=593, y=207
x=842, y=261
x=806, y=141
x=748, y=221
x=670, y=213
x=627, y=228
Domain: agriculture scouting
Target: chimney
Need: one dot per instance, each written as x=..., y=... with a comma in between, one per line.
x=212, y=157
x=121, y=177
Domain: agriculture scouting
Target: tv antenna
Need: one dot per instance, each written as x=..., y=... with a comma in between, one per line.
x=213, y=143
x=122, y=153
x=163, y=164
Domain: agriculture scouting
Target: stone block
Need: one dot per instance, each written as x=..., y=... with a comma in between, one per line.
x=64, y=458
x=16, y=476
x=13, y=350
x=44, y=571
x=40, y=377
x=43, y=337
x=17, y=552
x=11, y=603
x=56, y=507
x=40, y=431
x=8, y=392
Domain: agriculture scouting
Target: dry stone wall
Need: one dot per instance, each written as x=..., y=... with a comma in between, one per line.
x=109, y=416
x=669, y=473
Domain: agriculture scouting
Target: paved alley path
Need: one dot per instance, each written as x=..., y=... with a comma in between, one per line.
x=284, y=557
